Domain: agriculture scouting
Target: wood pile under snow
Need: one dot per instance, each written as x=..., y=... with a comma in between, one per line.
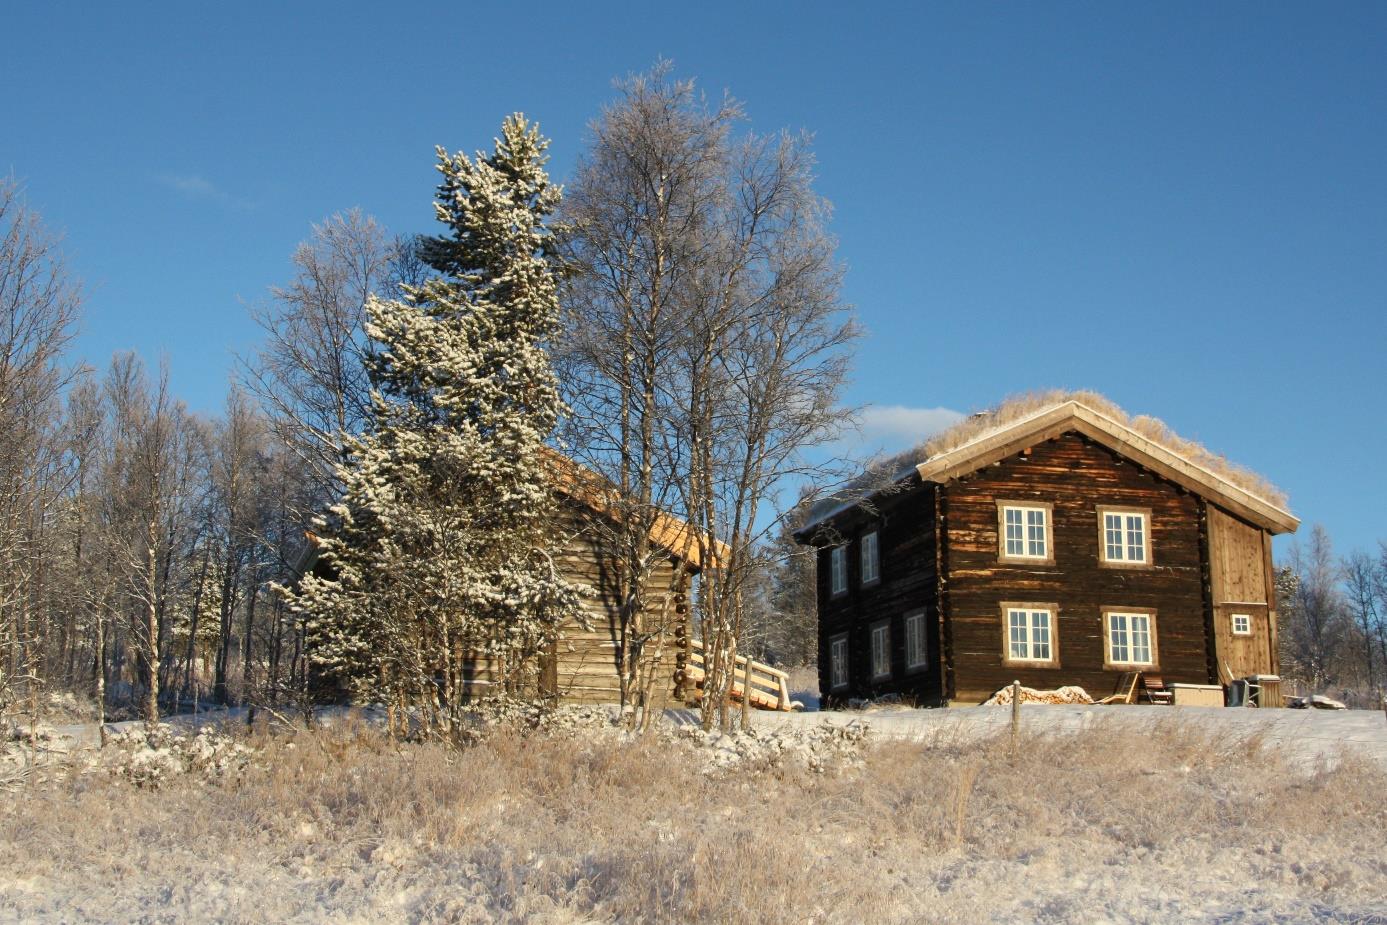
x=1067, y=694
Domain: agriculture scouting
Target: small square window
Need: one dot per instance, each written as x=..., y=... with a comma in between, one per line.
x=838, y=661
x=871, y=561
x=1124, y=536
x=916, y=644
x=1242, y=624
x=1025, y=533
x=881, y=650
x=838, y=569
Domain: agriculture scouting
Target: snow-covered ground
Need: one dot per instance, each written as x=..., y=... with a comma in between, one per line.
x=1102, y=814
x=1306, y=738
x=1303, y=738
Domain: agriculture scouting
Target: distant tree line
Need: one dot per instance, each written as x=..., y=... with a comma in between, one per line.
x=1333, y=618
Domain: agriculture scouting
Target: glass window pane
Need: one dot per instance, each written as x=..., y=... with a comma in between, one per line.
x=1040, y=634
x=1135, y=539
x=1112, y=534
x=1117, y=637
x=1141, y=639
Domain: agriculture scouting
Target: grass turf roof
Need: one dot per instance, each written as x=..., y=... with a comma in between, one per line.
x=886, y=471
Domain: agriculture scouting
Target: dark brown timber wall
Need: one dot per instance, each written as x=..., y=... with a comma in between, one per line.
x=908, y=583
x=1076, y=476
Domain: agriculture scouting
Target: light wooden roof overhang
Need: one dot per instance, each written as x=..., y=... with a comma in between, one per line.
x=1073, y=416
x=598, y=493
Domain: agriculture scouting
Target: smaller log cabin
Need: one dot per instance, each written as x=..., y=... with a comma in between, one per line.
x=1059, y=548
x=583, y=665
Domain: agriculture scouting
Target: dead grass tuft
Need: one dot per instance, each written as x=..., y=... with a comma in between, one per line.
x=344, y=824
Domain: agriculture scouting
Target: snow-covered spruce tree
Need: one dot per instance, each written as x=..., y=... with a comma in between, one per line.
x=438, y=550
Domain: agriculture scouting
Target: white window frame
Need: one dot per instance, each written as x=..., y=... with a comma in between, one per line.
x=881, y=650
x=1131, y=617
x=838, y=570
x=1026, y=511
x=916, y=641
x=839, y=673
x=871, y=558
x=1124, y=557
x=1246, y=619
x=1031, y=638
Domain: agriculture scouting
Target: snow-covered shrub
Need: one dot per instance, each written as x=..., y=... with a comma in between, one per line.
x=818, y=749
x=512, y=715
x=155, y=757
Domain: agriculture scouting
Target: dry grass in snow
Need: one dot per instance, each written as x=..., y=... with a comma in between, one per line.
x=583, y=825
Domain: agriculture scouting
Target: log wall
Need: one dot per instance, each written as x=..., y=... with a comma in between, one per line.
x=908, y=582
x=1076, y=476
x=586, y=659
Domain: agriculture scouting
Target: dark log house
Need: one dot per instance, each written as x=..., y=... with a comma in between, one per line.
x=1062, y=547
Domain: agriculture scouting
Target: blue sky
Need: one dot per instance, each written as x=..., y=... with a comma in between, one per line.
x=1183, y=206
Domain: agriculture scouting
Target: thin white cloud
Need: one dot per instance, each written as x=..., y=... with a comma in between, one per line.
x=199, y=188
x=898, y=426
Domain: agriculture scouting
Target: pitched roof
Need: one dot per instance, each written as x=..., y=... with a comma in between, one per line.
x=1073, y=415
x=597, y=492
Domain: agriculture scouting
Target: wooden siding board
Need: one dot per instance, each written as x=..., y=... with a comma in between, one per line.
x=1239, y=584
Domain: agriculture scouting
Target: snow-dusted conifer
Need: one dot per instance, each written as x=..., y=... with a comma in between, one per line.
x=438, y=550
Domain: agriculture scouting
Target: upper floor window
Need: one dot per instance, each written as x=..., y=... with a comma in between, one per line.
x=871, y=560
x=1124, y=536
x=1030, y=634
x=838, y=569
x=1025, y=532
x=1130, y=637
x=916, y=646
x=838, y=661
x=1242, y=624
x=881, y=650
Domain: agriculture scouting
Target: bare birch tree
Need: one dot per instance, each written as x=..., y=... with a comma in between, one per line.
x=1362, y=587
x=39, y=304
x=1312, y=610
x=310, y=376
x=706, y=344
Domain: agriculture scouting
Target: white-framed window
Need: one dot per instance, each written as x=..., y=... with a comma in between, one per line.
x=1124, y=536
x=1242, y=624
x=1025, y=532
x=916, y=642
x=871, y=559
x=838, y=661
x=881, y=650
x=838, y=569
x=1130, y=637
x=1030, y=634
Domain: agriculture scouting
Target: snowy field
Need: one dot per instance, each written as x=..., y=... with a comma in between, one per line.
x=1118, y=814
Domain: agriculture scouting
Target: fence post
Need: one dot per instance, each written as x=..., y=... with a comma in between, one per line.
x=746, y=693
x=1015, y=716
